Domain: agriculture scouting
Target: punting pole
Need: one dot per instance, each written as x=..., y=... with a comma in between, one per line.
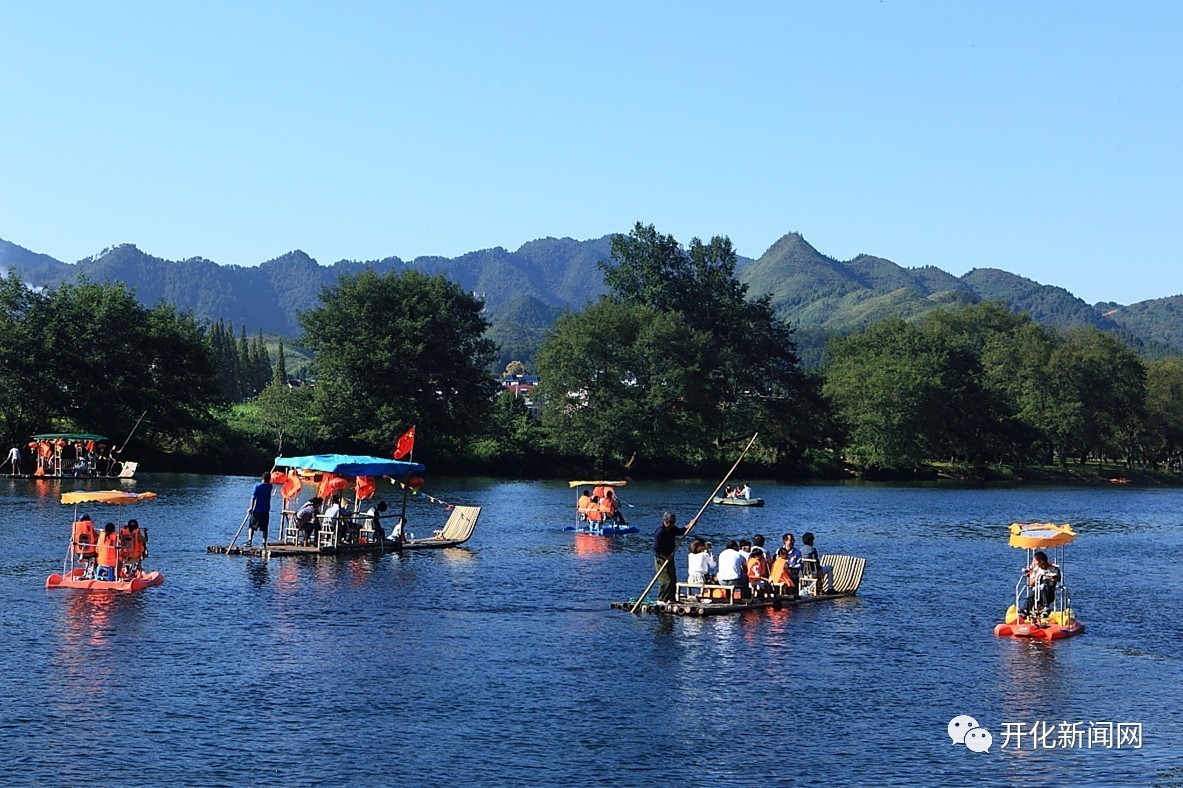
x=246, y=517
x=694, y=519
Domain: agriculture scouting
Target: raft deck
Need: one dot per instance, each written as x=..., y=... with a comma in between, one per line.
x=458, y=530
x=841, y=577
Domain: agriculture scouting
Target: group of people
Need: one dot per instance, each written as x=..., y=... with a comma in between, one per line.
x=346, y=527
x=745, y=563
x=738, y=491
x=110, y=554
x=59, y=457
x=600, y=505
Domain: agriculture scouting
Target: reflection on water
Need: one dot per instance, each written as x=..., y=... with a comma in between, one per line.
x=500, y=661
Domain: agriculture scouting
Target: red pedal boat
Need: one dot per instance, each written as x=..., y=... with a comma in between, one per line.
x=128, y=546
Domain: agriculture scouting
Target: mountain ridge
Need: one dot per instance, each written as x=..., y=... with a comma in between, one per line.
x=546, y=276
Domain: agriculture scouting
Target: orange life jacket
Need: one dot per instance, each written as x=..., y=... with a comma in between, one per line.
x=780, y=572
x=757, y=568
x=594, y=512
x=584, y=504
x=83, y=537
x=607, y=509
x=133, y=544
x=108, y=548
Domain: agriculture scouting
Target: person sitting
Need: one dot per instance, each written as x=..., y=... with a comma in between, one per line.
x=610, y=506
x=744, y=492
x=732, y=566
x=85, y=544
x=700, y=563
x=727, y=492
x=594, y=514
x=583, y=505
x=134, y=544
x=758, y=572
x=108, y=553
x=780, y=577
x=332, y=518
x=306, y=521
x=812, y=575
x=793, y=561
x=1042, y=577
x=373, y=530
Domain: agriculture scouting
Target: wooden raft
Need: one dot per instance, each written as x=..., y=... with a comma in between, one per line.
x=456, y=531
x=842, y=576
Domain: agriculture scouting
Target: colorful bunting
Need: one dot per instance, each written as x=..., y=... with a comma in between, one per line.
x=415, y=491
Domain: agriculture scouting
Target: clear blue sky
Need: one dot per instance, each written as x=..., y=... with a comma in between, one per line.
x=1039, y=137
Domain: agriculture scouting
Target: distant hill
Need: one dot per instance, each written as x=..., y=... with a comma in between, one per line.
x=525, y=290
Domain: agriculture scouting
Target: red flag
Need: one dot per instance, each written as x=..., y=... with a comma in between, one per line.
x=365, y=487
x=406, y=444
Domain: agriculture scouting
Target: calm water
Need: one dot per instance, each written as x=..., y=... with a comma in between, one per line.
x=502, y=663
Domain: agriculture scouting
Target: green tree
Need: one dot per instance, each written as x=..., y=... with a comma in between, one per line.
x=621, y=380
x=26, y=382
x=400, y=349
x=751, y=371
x=281, y=367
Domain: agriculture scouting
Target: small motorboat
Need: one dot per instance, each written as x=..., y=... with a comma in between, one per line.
x=1042, y=608
x=78, y=567
x=589, y=519
x=729, y=501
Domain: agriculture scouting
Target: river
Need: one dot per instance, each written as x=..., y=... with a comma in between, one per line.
x=501, y=662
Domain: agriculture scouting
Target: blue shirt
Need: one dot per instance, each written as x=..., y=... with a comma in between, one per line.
x=665, y=540
x=261, y=498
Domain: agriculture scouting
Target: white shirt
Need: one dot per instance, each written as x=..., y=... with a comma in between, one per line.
x=732, y=565
x=702, y=563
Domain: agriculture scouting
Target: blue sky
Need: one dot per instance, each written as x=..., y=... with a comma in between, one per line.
x=1042, y=138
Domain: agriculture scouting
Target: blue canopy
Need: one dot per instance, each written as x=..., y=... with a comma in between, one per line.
x=351, y=465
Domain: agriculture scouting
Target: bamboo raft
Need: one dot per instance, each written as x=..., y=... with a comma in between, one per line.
x=841, y=578
x=458, y=530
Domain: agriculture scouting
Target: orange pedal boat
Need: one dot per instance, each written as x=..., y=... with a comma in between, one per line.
x=1041, y=586
x=75, y=579
x=78, y=568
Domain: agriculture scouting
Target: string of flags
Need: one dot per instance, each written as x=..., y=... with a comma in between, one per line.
x=417, y=491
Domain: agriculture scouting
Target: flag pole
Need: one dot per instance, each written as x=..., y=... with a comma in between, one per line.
x=694, y=520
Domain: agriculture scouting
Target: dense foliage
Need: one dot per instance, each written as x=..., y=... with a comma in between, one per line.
x=986, y=385
x=398, y=350
x=88, y=357
x=674, y=365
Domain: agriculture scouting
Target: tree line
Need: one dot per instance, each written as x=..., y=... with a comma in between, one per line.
x=668, y=373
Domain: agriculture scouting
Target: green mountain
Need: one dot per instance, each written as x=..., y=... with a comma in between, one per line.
x=525, y=290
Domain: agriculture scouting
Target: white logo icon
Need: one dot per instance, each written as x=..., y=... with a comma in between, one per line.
x=964, y=729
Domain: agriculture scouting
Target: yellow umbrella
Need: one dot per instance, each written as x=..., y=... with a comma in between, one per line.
x=106, y=496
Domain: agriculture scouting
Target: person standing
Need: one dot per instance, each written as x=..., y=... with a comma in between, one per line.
x=665, y=543
x=260, y=510
x=14, y=458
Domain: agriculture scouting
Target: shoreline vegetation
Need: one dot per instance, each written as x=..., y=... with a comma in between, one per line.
x=664, y=376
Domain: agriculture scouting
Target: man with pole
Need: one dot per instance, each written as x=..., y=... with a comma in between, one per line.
x=665, y=543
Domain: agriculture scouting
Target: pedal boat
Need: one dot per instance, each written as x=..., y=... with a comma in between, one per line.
x=583, y=525
x=1060, y=620
x=75, y=579
x=74, y=575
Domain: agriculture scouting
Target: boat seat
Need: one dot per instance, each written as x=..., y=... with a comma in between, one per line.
x=845, y=573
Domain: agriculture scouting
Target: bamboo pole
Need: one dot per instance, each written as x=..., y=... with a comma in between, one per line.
x=694, y=519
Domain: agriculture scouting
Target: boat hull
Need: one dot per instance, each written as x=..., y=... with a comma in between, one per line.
x=75, y=579
x=607, y=530
x=696, y=607
x=738, y=501
x=1028, y=629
